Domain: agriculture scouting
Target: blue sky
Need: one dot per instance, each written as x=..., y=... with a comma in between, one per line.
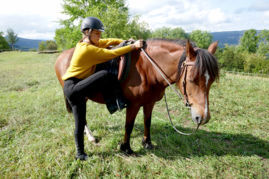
x=38, y=19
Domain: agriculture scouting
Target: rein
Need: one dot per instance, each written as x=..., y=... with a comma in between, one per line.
x=185, y=66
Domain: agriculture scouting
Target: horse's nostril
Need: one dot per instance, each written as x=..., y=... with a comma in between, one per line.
x=198, y=119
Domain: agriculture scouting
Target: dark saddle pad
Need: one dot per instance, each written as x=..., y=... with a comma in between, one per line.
x=118, y=67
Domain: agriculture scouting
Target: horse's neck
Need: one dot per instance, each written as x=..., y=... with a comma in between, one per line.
x=167, y=60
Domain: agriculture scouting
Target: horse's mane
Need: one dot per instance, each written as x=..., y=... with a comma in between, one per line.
x=205, y=61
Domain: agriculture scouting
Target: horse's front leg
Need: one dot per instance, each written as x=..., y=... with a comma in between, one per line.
x=146, y=141
x=131, y=113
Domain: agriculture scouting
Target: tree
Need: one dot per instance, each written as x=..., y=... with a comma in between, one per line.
x=231, y=58
x=170, y=33
x=3, y=43
x=263, y=48
x=249, y=41
x=114, y=14
x=42, y=46
x=137, y=30
x=12, y=38
x=202, y=38
x=51, y=45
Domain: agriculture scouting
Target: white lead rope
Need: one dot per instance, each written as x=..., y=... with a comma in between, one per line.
x=165, y=78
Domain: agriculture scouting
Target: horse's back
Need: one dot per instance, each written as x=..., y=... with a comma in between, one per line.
x=62, y=63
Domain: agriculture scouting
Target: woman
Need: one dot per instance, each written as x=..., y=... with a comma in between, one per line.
x=80, y=80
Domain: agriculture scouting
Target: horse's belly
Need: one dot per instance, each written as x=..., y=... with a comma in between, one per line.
x=98, y=98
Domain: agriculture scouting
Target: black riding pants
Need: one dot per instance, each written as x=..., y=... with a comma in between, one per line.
x=76, y=91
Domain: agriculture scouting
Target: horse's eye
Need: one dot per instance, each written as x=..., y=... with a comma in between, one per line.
x=195, y=79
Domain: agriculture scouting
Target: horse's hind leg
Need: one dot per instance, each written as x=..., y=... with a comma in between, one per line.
x=146, y=141
x=131, y=113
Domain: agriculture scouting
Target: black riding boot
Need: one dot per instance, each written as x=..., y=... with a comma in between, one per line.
x=79, y=139
x=79, y=112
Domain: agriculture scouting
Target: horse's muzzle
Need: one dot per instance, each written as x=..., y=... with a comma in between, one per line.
x=199, y=119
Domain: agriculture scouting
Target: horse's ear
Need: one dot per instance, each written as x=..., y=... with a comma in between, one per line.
x=213, y=47
x=189, y=50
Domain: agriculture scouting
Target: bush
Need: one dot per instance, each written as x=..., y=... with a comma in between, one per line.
x=47, y=45
x=51, y=45
x=256, y=63
x=231, y=58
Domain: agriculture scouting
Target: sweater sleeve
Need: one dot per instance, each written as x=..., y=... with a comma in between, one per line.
x=100, y=55
x=104, y=43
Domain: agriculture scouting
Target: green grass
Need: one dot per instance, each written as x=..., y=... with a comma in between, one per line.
x=36, y=133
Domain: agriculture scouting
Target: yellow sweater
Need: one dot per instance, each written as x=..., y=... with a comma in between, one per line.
x=86, y=57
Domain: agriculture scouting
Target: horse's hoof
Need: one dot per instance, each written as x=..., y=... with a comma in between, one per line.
x=126, y=149
x=96, y=141
x=82, y=157
x=147, y=145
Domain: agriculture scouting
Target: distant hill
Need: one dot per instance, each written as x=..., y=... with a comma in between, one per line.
x=27, y=44
x=226, y=37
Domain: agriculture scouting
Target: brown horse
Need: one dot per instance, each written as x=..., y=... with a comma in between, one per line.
x=192, y=69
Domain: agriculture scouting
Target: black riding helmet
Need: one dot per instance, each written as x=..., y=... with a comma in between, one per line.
x=92, y=23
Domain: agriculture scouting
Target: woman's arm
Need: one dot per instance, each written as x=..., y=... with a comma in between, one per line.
x=104, y=43
x=99, y=55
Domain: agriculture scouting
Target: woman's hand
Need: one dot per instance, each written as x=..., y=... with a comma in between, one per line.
x=137, y=45
x=131, y=40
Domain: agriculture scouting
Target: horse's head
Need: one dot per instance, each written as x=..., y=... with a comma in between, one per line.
x=197, y=70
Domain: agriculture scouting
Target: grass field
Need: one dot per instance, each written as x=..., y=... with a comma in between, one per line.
x=36, y=133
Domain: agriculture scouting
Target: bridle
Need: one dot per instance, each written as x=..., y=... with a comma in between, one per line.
x=185, y=66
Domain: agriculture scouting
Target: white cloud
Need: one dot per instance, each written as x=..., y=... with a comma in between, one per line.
x=31, y=18
x=189, y=15
x=37, y=35
x=266, y=14
x=260, y=5
x=216, y=16
x=48, y=8
x=26, y=24
x=38, y=19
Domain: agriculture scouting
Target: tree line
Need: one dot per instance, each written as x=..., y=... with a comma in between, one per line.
x=118, y=24
x=250, y=55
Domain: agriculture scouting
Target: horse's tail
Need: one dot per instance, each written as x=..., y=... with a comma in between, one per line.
x=67, y=105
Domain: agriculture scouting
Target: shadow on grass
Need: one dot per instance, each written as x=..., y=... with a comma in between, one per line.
x=169, y=144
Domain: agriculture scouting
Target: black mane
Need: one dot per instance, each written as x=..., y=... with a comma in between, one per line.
x=205, y=61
